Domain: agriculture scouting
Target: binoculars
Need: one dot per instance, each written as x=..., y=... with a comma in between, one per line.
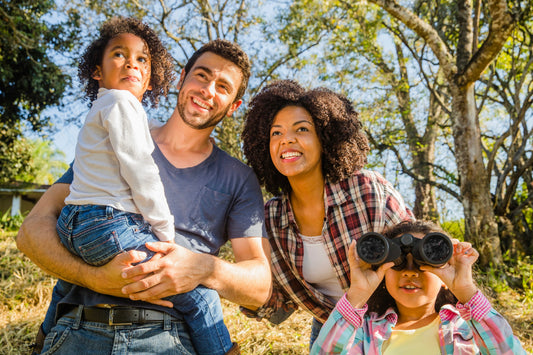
x=435, y=249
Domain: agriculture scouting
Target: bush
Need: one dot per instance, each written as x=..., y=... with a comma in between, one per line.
x=10, y=223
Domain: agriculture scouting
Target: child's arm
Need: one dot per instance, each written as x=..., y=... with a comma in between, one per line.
x=132, y=145
x=491, y=331
x=343, y=331
x=363, y=279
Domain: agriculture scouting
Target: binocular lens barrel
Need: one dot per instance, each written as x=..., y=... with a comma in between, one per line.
x=434, y=249
x=373, y=248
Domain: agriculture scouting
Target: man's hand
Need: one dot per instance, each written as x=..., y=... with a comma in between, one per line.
x=107, y=279
x=177, y=270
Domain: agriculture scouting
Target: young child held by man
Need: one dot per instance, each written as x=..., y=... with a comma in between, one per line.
x=117, y=200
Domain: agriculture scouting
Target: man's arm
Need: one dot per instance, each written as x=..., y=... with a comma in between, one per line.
x=38, y=239
x=247, y=282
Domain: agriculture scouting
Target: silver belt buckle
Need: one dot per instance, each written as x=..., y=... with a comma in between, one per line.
x=111, y=318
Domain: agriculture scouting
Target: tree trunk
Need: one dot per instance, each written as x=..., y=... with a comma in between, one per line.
x=421, y=148
x=480, y=226
x=424, y=161
x=425, y=201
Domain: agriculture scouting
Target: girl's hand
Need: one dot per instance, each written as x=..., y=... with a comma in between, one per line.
x=457, y=273
x=363, y=280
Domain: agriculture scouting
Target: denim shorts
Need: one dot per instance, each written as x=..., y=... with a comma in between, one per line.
x=99, y=233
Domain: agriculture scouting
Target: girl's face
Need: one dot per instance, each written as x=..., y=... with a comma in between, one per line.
x=414, y=291
x=295, y=148
x=125, y=65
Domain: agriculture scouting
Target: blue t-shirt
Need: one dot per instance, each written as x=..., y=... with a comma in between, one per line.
x=217, y=200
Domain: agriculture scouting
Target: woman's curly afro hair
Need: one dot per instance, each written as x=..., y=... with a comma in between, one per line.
x=162, y=73
x=344, y=144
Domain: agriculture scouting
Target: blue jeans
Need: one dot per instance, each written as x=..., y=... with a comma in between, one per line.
x=60, y=290
x=98, y=233
x=75, y=336
x=315, y=329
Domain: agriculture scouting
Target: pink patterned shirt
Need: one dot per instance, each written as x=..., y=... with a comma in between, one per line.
x=472, y=328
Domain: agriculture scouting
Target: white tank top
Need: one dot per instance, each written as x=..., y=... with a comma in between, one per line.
x=317, y=268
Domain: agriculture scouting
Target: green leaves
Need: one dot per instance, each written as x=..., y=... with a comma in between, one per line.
x=30, y=81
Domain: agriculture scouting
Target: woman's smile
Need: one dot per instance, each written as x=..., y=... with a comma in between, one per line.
x=290, y=155
x=295, y=148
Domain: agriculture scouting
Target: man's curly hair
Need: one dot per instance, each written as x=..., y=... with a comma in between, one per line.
x=162, y=67
x=344, y=144
x=227, y=50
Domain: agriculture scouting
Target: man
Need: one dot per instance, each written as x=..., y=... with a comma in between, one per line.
x=212, y=196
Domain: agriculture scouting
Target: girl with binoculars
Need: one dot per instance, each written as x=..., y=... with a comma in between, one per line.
x=414, y=306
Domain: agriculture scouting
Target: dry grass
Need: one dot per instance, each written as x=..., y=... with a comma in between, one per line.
x=25, y=292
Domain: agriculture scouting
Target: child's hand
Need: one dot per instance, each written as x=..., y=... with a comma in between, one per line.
x=457, y=273
x=363, y=280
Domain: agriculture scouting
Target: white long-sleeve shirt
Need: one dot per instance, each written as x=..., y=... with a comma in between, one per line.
x=113, y=163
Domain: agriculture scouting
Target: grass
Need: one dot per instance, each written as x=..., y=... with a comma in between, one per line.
x=25, y=292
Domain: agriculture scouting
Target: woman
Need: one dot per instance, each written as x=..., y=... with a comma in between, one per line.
x=308, y=149
x=411, y=308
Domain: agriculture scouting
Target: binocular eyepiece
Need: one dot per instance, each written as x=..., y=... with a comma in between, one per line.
x=435, y=249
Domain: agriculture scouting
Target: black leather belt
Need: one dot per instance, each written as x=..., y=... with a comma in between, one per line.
x=120, y=315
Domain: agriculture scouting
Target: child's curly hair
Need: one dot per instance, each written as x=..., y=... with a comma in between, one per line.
x=162, y=68
x=344, y=144
x=381, y=300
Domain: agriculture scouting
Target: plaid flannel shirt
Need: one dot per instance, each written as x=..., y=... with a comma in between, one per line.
x=361, y=203
x=467, y=329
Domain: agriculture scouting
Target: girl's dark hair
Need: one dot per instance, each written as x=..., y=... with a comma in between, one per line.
x=344, y=144
x=162, y=73
x=381, y=299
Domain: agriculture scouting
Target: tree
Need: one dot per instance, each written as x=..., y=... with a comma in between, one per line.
x=507, y=89
x=48, y=163
x=29, y=79
x=462, y=67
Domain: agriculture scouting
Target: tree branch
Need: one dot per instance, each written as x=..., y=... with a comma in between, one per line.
x=424, y=30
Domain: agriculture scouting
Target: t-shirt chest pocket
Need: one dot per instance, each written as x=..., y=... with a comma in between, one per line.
x=211, y=209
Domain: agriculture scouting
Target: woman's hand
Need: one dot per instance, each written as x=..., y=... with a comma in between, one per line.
x=457, y=273
x=363, y=280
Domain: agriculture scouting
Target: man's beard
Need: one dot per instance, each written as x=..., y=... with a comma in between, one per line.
x=211, y=122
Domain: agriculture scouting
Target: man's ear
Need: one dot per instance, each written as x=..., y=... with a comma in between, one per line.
x=182, y=78
x=97, y=74
x=234, y=106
